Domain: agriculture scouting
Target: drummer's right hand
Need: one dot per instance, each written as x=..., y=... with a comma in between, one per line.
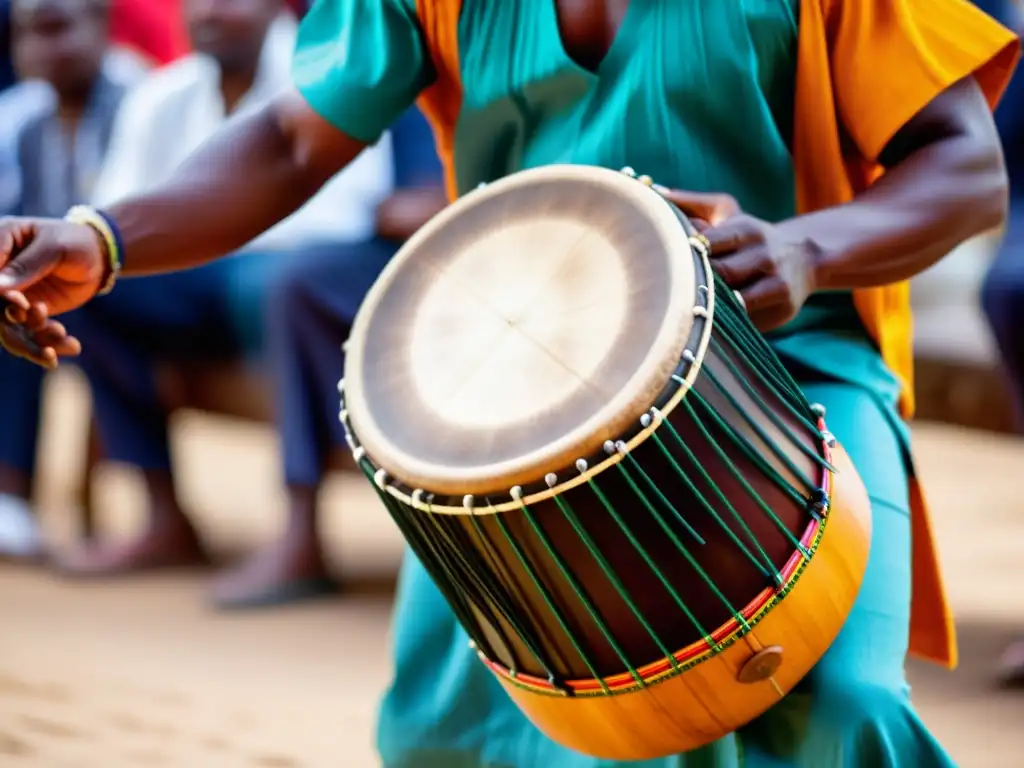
x=48, y=262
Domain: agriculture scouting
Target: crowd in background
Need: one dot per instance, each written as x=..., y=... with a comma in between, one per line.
x=101, y=98
x=111, y=97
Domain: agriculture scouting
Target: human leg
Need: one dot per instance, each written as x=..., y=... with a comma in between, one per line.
x=854, y=709
x=309, y=306
x=21, y=385
x=123, y=336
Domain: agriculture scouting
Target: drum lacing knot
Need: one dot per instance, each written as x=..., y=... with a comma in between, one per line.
x=700, y=243
x=560, y=687
x=817, y=504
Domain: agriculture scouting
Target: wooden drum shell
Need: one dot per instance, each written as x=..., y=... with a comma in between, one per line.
x=683, y=712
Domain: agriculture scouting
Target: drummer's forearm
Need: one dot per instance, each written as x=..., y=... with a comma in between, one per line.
x=251, y=175
x=947, y=185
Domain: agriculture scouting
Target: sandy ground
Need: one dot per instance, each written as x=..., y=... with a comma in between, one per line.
x=140, y=674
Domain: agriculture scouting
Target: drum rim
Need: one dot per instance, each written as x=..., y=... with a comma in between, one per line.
x=366, y=439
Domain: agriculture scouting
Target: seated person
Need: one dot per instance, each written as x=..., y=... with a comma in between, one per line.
x=62, y=127
x=6, y=60
x=1002, y=293
x=311, y=306
x=242, y=60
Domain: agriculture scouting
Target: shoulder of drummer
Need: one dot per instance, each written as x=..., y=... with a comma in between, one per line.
x=888, y=59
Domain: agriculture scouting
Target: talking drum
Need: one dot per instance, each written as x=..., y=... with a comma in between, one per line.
x=646, y=530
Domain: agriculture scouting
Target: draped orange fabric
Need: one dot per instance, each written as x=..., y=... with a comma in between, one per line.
x=864, y=69
x=442, y=102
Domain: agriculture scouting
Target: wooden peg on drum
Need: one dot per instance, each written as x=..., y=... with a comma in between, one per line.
x=623, y=495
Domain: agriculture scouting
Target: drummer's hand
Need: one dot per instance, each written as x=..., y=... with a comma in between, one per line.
x=770, y=266
x=50, y=262
x=35, y=336
x=704, y=209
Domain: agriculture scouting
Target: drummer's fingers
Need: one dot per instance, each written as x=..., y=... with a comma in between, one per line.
x=736, y=233
x=16, y=306
x=19, y=342
x=69, y=346
x=771, y=319
x=768, y=302
x=743, y=267
x=36, y=317
x=712, y=207
x=55, y=335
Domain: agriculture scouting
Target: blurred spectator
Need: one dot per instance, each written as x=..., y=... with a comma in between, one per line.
x=142, y=33
x=242, y=60
x=311, y=306
x=1002, y=293
x=18, y=104
x=63, y=124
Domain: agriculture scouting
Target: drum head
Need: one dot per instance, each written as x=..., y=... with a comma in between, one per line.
x=527, y=324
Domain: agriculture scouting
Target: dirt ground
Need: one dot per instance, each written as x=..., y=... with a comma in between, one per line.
x=140, y=673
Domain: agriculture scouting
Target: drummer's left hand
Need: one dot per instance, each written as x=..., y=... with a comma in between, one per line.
x=770, y=266
x=704, y=209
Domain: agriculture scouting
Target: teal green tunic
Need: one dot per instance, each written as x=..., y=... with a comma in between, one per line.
x=699, y=94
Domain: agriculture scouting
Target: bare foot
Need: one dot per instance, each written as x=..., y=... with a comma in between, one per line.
x=170, y=542
x=288, y=570
x=1011, y=665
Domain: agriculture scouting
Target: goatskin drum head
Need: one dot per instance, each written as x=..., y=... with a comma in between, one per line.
x=527, y=324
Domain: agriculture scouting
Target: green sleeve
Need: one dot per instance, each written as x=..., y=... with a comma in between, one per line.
x=361, y=63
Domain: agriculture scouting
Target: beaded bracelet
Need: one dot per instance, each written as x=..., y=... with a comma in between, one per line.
x=104, y=226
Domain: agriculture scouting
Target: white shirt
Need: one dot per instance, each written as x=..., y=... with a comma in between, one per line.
x=28, y=99
x=177, y=108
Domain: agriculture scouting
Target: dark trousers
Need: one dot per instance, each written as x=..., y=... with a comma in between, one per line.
x=210, y=313
x=1002, y=299
x=311, y=307
x=21, y=385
